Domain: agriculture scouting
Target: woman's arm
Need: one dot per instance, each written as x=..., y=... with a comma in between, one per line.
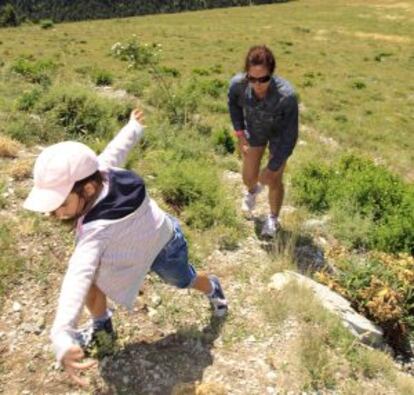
x=236, y=112
x=290, y=128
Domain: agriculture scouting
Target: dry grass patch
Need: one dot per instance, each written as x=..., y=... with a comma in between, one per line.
x=325, y=355
x=9, y=148
x=21, y=169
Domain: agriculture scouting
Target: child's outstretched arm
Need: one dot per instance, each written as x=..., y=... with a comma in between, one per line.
x=76, y=284
x=117, y=150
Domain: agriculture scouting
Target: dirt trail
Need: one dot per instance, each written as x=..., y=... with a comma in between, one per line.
x=169, y=338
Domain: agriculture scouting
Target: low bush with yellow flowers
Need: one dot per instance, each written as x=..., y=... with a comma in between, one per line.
x=381, y=287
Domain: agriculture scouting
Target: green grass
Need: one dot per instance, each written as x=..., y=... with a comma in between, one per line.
x=352, y=85
x=11, y=263
x=329, y=356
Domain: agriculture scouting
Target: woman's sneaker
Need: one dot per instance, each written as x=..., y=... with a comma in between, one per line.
x=217, y=299
x=249, y=199
x=270, y=227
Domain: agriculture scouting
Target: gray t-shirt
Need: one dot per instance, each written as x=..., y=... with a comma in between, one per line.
x=273, y=119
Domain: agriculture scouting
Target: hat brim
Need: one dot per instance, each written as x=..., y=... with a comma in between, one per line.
x=46, y=200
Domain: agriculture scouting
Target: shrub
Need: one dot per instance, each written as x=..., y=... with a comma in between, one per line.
x=34, y=71
x=191, y=187
x=358, y=189
x=169, y=71
x=8, y=147
x=380, y=288
x=135, y=53
x=311, y=186
x=214, y=87
x=136, y=86
x=31, y=130
x=28, y=99
x=102, y=77
x=78, y=112
x=200, y=71
x=8, y=16
x=46, y=24
x=224, y=141
x=179, y=103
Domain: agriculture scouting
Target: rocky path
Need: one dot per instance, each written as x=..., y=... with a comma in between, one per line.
x=169, y=344
x=169, y=339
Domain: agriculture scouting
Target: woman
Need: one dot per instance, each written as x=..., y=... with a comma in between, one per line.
x=264, y=112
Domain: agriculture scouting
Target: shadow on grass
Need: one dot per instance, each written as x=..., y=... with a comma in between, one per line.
x=156, y=367
x=306, y=255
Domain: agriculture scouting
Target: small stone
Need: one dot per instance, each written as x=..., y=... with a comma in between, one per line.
x=272, y=376
x=16, y=307
x=156, y=300
x=152, y=313
x=125, y=380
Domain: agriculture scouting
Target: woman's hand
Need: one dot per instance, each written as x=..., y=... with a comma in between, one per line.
x=73, y=366
x=137, y=115
x=243, y=145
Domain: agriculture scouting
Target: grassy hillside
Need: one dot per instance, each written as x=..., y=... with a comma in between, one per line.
x=352, y=65
x=353, y=68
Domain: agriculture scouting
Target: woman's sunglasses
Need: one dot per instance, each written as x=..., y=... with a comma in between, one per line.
x=260, y=80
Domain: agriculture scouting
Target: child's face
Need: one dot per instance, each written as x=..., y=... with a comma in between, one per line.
x=71, y=208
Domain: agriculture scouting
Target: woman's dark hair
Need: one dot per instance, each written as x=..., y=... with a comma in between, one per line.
x=79, y=185
x=260, y=55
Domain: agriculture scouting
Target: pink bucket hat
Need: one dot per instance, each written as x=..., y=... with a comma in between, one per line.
x=56, y=171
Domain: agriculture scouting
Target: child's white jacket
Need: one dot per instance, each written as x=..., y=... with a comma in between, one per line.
x=114, y=254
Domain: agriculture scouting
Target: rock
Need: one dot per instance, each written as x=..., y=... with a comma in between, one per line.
x=156, y=300
x=309, y=258
x=366, y=331
x=152, y=313
x=16, y=307
x=125, y=380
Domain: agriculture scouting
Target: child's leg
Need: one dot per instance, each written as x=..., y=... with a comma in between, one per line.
x=96, y=302
x=202, y=283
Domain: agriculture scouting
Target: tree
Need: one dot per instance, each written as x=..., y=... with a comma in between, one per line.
x=8, y=16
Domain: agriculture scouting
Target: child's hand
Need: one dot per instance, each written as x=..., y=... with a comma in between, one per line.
x=71, y=363
x=137, y=115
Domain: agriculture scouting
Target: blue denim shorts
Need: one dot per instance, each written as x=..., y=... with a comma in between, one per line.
x=171, y=264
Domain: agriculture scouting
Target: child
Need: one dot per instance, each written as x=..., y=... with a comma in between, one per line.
x=121, y=234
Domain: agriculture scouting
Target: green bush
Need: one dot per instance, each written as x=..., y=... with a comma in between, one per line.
x=32, y=129
x=46, y=24
x=8, y=16
x=223, y=141
x=102, y=77
x=311, y=186
x=179, y=102
x=28, y=99
x=78, y=112
x=136, y=86
x=366, y=194
x=193, y=189
x=211, y=87
x=169, y=71
x=35, y=71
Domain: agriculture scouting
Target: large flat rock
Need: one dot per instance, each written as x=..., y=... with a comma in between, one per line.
x=366, y=331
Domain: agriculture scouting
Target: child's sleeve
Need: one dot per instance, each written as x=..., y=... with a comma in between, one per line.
x=116, y=151
x=76, y=284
